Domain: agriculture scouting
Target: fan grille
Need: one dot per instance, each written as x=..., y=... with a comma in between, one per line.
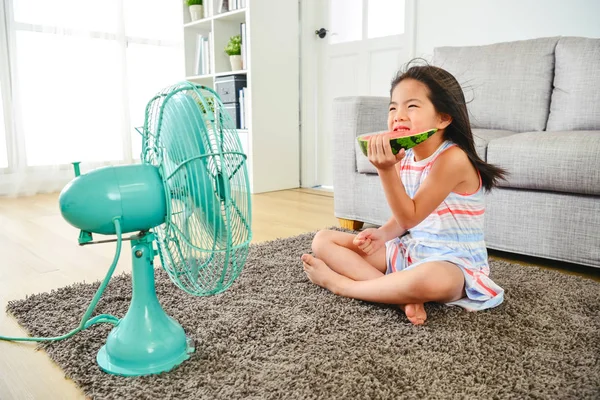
x=204, y=242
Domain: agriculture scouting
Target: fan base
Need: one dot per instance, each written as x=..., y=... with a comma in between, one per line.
x=146, y=340
x=109, y=366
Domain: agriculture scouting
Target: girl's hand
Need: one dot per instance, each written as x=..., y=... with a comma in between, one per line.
x=369, y=241
x=380, y=152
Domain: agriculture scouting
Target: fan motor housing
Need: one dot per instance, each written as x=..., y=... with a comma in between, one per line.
x=134, y=193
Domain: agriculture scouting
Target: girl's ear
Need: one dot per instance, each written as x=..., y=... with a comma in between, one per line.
x=444, y=121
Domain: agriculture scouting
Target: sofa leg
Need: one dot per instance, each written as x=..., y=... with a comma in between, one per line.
x=350, y=224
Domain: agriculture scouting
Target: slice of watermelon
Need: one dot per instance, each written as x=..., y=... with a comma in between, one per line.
x=398, y=141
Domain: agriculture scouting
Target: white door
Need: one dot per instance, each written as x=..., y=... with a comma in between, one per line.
x=365, y=44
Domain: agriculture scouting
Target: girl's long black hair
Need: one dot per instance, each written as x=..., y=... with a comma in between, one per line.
x=448, y=98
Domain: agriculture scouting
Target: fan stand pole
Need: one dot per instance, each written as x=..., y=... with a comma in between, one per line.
x=146, y=341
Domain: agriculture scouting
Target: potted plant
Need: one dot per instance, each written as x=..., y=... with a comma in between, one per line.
x=196, y=9
x=234, y=51
x=210, y=102
x=209, y=117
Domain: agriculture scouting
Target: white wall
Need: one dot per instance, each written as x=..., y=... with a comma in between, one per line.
x=476, y=22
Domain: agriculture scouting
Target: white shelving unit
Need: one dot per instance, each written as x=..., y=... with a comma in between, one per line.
x=272, y=138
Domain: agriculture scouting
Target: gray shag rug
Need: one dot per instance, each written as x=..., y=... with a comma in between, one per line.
x=274, y=335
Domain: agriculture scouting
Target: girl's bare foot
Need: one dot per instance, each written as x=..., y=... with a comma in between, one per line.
x=415, y=313
x=320, y=274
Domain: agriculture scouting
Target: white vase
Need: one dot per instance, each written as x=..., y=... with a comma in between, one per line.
x=196, y=12
x=236, y=62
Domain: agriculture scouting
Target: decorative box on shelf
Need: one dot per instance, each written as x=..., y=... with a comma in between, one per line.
x=230, y=89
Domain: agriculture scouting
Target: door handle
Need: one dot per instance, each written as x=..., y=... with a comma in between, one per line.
x=321, y=32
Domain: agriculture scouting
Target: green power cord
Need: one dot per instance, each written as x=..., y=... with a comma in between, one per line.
x=85, y=321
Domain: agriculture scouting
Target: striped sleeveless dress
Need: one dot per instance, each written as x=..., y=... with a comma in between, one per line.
x=453, y=232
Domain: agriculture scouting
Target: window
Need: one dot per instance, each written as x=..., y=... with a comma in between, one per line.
x=383, y=18
x=69, y=90
x=84, y=73
x=146, y=19
x=345, y=20
x=69, y=14
x=149, y=69
x=3, y=154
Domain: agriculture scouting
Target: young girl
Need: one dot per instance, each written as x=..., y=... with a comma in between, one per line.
x=432, y=249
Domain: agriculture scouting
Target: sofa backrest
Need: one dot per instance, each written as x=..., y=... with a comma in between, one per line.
x=507, y=85
x=576, y=97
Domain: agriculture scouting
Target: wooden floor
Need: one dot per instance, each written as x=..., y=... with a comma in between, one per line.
x=39, y=252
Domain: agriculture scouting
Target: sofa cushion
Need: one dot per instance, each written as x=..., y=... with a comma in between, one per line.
x=363, y=165
x=483, y=136
x=576, y=95
x=565, y=161
x=507, y=85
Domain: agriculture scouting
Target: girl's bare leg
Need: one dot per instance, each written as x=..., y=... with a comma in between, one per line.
x=435, y=281
x=338, y=252
x=336, y=249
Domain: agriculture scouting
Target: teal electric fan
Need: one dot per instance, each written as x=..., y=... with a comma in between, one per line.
x=190, y=196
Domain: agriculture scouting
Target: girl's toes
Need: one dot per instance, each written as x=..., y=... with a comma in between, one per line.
x=308, y=259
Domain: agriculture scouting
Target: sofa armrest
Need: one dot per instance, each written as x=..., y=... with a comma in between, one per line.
x=352, y=117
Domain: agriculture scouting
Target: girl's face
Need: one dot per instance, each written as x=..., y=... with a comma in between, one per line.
x=411, y=111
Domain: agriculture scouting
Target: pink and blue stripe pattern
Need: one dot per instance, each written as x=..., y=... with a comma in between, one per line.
x=453, y=232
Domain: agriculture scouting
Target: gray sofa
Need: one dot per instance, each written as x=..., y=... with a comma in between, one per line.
x=535, y=111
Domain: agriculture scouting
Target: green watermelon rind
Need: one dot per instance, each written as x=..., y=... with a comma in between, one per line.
x=406, y=142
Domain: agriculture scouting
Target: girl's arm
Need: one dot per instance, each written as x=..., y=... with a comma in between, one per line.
x=449, y=170
x=391, y=229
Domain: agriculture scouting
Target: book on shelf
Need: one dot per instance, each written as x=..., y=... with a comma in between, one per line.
x=241, y=100
x=223, y=6
x=243, y=96
x=202, y=64
x=231, y=5
x=208, y=49
x=208, y=9
x=243, y=36
x=247, y=109
x=198, y=63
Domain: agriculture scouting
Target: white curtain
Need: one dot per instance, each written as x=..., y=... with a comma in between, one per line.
x=76, y=77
